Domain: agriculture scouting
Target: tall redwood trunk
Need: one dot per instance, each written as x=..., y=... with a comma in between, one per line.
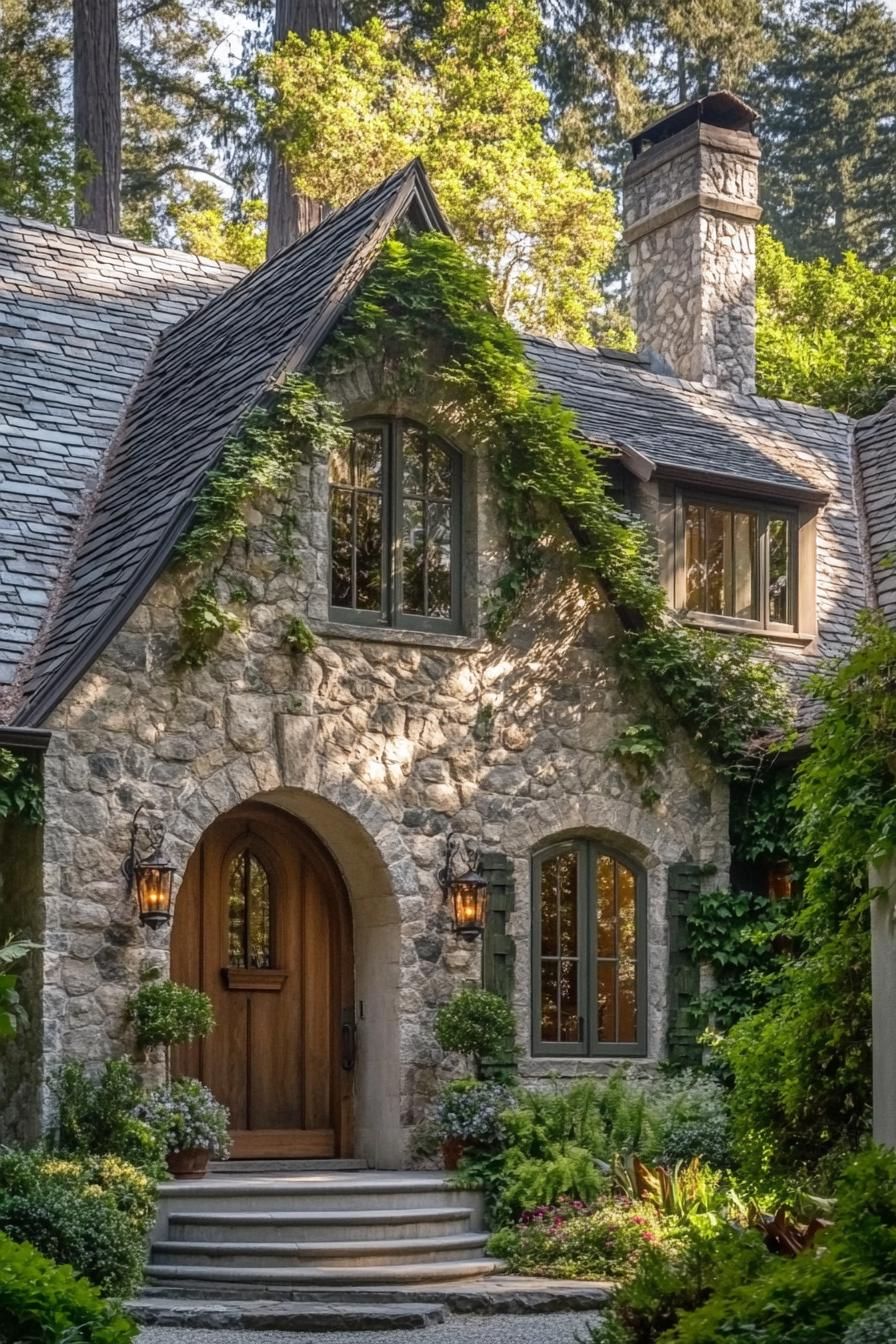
x=289, y=213
x=97, y=113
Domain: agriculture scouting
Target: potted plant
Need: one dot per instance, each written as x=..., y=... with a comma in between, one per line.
x=475, y=1023
x=165, y=1013
x=468, y=1115
x=192, y=1126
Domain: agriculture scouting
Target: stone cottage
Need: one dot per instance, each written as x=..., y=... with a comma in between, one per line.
x=305, y=801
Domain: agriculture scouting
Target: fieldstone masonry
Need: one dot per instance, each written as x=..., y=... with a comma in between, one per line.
x=381, y=741
x=690, y=208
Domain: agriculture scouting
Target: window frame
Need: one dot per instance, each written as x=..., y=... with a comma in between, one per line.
x=390, y=615
x=765, y=510
x=588, y=1046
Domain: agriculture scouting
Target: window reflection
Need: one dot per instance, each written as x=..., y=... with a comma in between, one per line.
x=738, y=562
x=249, y=912
x=356, y=523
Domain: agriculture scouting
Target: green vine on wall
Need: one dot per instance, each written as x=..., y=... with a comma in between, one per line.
x=295, y=421
x=21, y=794
x=424, y=288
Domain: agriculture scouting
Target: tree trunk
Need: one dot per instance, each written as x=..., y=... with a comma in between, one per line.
x=289, y=213
x=97, y=113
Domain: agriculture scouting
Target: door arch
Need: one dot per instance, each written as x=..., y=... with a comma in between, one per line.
x=262, y=924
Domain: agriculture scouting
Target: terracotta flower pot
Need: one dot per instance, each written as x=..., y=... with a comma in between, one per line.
x=190, y=1164
x=452, y=1152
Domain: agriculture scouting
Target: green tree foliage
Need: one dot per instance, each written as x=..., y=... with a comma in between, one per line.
x=12, y=953
x=829, y=137
x=826, y=333
x=350, y=108
x=45, y=1303
x=36, y=169
x=207, y=225
x=802, y=1066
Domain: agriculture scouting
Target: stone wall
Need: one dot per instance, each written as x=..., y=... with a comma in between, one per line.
x=690, y=215
x=381, y=741
x=21, y=914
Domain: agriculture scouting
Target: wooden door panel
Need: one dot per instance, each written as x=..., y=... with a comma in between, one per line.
x=273, y=1057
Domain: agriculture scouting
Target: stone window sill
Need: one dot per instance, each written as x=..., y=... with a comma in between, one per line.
x=426, y=639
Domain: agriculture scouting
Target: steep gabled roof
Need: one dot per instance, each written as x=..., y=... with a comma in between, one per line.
x=79, y=316
x=876, y=456
x=206, y=373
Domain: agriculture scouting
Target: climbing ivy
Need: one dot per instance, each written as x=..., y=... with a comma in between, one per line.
x=424, y=287
x=297, y=637
x=21, y=794
x=294, y=421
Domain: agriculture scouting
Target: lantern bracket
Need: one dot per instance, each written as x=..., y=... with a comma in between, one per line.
x=456, y=846
x=155, y=829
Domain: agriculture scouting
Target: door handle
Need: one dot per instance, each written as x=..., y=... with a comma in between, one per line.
x=349, y=1040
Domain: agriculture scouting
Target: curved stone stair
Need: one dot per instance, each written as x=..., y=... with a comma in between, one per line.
x=305, y=1229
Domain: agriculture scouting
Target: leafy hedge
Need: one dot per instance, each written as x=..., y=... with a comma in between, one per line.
x=92, y=1213
x=43, y=1303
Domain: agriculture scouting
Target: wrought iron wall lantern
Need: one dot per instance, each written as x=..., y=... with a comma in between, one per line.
x=150, y=875
x=464, y=887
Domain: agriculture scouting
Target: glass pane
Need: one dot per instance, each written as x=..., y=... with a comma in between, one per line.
x=439, y=479
x=569, y=1000
x=606, y=1001
x=718, y=524
x=413, y=592
x=550, y=910
x=413, y=451
x=368, y=453
x=369, y=552
x=779, y=586
x=694, y=557
x=259, y=914
x=550, y=1021
x=627, y=1025
x=606, y=907
x=743, y=566
x=626, y=888
x=438, y=559
x=567, y=902
x=236, y=912
x=341, y=466
x=341, y=548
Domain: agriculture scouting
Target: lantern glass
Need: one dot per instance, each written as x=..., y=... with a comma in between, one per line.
x=468, y=898
x=154, y=878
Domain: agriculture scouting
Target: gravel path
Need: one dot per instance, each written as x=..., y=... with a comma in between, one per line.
x=555, y=1327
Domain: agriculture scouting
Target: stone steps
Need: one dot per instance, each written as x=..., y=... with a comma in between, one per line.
x=317, y=1229
x=321, y=1225
x=287, y=1317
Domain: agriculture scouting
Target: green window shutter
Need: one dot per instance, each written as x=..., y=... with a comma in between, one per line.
x=684, y=973
x=498, y=947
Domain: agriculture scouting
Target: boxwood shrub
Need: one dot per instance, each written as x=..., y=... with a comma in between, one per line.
x=93, y=1213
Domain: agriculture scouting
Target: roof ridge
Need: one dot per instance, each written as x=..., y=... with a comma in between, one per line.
x=119, y=241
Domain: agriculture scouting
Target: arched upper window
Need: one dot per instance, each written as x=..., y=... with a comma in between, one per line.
x=589, y=952
x=249, y=912
x=395, y=528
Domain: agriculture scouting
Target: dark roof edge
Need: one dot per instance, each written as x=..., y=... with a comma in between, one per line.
x=415, y=190
x=24, y=739
x=741, y=485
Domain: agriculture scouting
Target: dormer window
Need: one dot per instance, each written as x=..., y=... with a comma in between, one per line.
x=736, y=563
x=395, y=528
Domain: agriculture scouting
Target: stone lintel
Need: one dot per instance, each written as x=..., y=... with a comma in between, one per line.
x=688, y=205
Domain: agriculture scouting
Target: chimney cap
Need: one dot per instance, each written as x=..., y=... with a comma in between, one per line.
x=719, y=108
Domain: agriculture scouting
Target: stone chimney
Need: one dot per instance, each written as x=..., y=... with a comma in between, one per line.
x=690, y=209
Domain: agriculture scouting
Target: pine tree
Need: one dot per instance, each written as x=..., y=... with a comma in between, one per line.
x=37, y=175
x=97, y=113
x=290, y=212
x=829, y=133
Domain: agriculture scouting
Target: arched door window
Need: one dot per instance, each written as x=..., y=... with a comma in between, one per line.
x=395, y=528
x=589, y=952
x=249, y=911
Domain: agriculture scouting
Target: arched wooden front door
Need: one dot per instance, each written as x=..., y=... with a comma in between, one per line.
x=262, y=924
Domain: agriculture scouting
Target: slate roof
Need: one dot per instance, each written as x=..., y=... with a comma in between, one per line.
x=876, y=458
x=134, y=365
x=676, y=428
x=205, y=374
x=79, y=315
